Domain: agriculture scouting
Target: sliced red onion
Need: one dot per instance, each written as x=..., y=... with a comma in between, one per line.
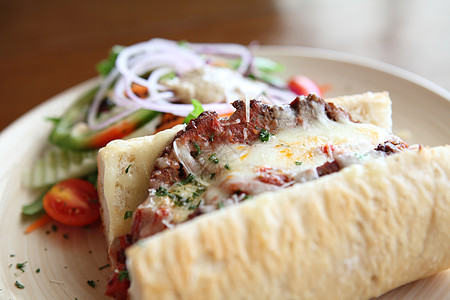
x=153, y=80
x=231, y=50
x=99, y=96
x=160, y=57
x=152, y=48
x=191, y=165
x=184, y=109
x=114, y=119
x=285, y=96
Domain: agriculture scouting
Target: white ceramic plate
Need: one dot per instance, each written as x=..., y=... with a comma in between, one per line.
x=65, y=265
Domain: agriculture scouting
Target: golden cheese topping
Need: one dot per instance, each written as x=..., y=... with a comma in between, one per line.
x=232, y=172
x=311, y=147
x=286, y=157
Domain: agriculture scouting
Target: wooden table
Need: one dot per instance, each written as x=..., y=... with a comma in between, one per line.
x=49, y=46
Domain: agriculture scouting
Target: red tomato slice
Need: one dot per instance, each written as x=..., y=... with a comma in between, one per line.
x=302, y=85
x=72, y=202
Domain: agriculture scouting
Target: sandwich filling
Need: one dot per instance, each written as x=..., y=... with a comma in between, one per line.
x=215, y=163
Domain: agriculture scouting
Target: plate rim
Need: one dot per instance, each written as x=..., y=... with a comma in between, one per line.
x=358, y=60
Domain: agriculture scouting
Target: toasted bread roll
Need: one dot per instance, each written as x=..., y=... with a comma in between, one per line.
x=123, y=172
x=353, y=234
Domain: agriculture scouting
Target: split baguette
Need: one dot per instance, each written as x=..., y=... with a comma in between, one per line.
x=125, y=166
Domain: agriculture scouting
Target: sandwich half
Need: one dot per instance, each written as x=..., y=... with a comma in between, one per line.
x=125, y=165
x=274, y=202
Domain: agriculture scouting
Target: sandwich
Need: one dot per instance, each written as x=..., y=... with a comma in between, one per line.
x=308, y=200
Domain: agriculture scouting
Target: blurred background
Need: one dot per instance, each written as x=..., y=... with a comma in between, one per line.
x=48, y=46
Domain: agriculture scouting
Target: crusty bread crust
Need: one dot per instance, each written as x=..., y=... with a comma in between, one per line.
x=354, y=234
x=123, y=172
x=374, y=108
x=124, y=166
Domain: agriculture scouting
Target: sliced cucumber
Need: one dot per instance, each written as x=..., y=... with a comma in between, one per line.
x=59, y=164
x=37, y=206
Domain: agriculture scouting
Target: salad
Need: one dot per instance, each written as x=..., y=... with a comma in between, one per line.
x=144, y=88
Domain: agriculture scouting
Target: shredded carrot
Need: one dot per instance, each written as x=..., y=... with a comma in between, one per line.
x=38, y=223
x=139, y=90
x=226, y=115
x=116, y=131
x=169, y=121
x=221, y=63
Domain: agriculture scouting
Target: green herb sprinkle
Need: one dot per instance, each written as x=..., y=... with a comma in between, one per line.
x=128, y=214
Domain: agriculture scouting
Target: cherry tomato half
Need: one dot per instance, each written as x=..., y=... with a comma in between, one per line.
x=72, y=202
x=302, y=85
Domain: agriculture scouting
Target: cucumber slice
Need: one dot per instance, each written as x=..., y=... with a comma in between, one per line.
x=35, y=207
x=59, y=164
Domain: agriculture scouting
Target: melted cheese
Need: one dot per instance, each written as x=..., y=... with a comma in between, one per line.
x=293, y=145
x=292, y=152
x=228, y=174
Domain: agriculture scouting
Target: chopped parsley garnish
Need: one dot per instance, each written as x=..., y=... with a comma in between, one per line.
x=12, y=255
x=192, y=207
x=213, y=175
x=211, y=138
x=128, y=168
x=184, y=192
x=128, y=214
x=103, y=267
x=298, y=163
x=227, y=167
x=359, y=156
x=38, y=270
x=264, y=135
x=197, y=147
x=161, y=191
x=220, y=204
x=91, y=283
x=198, y=191
x=20, y=266
x=179, y=200
x=190, y=178
x=123, y=275
x=19, y=285
x=213, y=158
